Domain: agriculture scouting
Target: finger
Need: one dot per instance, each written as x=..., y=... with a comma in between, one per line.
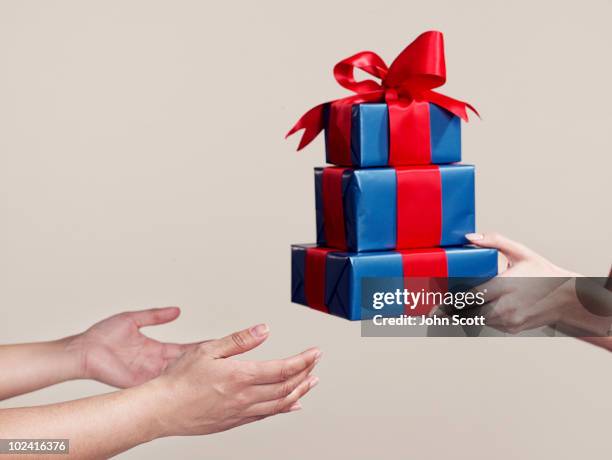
x=282, y=369
x=243, y=421
x=283, y=404
x=488, y=291
x=294, y=407
x=270, y=392
x=438, y=311
x=511, y=249
x=492, y=289
x=501, y=314
x=237, y=343
x=491, y=313
x=154, y=316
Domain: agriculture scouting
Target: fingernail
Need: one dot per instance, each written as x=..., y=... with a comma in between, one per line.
x=317, y=357
x=260, y=330
x=295, y=406
x=313, y=382
x=474, y=236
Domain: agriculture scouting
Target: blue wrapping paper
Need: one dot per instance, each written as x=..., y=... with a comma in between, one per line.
x=343, y=273
x=370, y=212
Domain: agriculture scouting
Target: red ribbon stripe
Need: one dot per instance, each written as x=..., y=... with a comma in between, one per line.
x=418, y=212
x=419, y=207
x=333, y=208
x=424, y=270
x=314, y=278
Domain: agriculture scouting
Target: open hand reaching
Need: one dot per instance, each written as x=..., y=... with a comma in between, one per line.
x=115, y=351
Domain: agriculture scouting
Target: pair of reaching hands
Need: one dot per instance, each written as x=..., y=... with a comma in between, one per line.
x=204, y=390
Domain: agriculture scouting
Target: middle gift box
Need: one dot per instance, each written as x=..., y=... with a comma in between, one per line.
x=408, y=207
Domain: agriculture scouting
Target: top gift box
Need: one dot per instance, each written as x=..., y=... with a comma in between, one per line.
x=434, y=136
x=399, y=121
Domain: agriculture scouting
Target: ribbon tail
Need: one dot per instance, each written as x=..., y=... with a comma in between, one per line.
x=471, y=107
x=454, y=106
x=312, y=122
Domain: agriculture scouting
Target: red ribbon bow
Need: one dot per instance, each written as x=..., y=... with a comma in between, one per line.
x=410, y=79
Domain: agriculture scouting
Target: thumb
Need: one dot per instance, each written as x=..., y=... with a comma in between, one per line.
x=238, y=342
x=154, y=316
x=511, y=249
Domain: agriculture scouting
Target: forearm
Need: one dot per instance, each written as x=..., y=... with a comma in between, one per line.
x=97, y=427
x=587, y=308
x=31, y=366
x=603, y=342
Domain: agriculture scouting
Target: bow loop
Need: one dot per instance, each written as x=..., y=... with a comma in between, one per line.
x=420, y=65
x=367, y=61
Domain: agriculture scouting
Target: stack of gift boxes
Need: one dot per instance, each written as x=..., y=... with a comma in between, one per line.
x=396, y=207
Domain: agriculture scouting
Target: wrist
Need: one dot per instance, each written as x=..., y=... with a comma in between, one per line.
x=578, y=317
x=68, y=358
x=158, y=396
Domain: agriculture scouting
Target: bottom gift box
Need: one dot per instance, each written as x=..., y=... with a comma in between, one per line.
x=342, y=283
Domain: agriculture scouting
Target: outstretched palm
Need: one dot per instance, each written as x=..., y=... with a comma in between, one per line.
x=114, y=351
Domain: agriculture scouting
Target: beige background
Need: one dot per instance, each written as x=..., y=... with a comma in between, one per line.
x=142, y=163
